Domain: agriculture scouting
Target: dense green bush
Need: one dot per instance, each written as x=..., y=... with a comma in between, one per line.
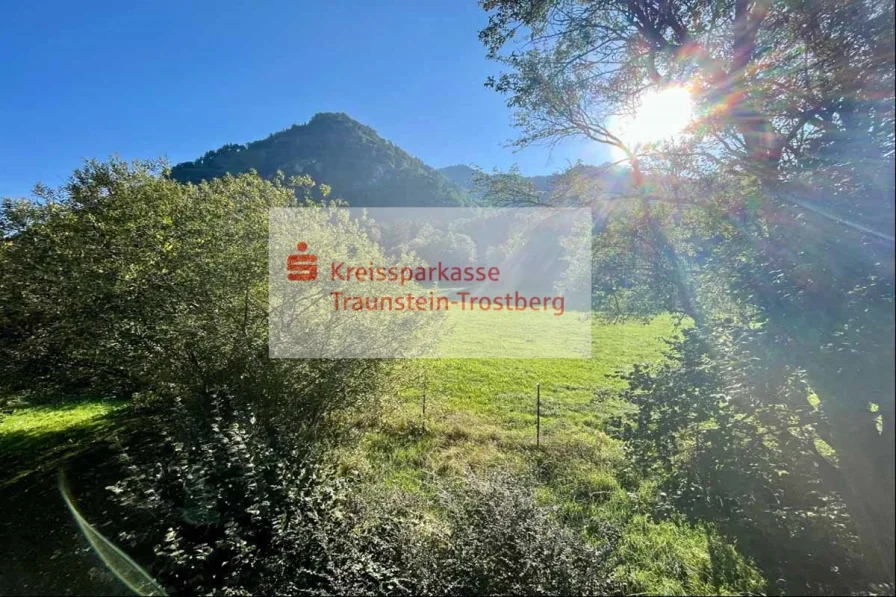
x=228, y=511
x=729, y=433
x=500, y=540
x=128, y=282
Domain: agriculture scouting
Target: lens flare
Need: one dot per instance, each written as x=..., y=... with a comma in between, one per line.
x=662, y=115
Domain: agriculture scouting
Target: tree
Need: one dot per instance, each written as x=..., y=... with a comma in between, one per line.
x=434, y=246
x=126, y=282
x=793, y=150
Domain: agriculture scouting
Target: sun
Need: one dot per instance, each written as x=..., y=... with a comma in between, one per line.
x=662, y=115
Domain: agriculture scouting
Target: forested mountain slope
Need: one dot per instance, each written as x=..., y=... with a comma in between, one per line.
x=361, y=167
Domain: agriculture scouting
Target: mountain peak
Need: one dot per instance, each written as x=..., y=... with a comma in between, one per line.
x=336, y=117
x=362, y=168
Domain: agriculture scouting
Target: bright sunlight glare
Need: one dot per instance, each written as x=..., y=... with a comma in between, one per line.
x=662, y=115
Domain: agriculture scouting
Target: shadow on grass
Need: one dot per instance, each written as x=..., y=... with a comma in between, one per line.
x=42, y=551
x=41, y=439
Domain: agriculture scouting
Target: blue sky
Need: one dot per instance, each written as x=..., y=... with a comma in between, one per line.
x=175, y=79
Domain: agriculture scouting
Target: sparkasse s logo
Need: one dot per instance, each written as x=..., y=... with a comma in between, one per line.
x=301, y=268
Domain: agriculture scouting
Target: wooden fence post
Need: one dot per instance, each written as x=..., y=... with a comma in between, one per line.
x=425, y=379
x=538, y=415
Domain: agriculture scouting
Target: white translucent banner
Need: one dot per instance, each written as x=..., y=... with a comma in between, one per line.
x=430, y=282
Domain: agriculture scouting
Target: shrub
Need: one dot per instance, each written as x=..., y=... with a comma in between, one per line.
x=730, y=433
x=500, y=540
x=127, y=282
x=227, y=511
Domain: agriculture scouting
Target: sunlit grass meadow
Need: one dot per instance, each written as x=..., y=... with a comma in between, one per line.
x=482, y=411
x=480, y=415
